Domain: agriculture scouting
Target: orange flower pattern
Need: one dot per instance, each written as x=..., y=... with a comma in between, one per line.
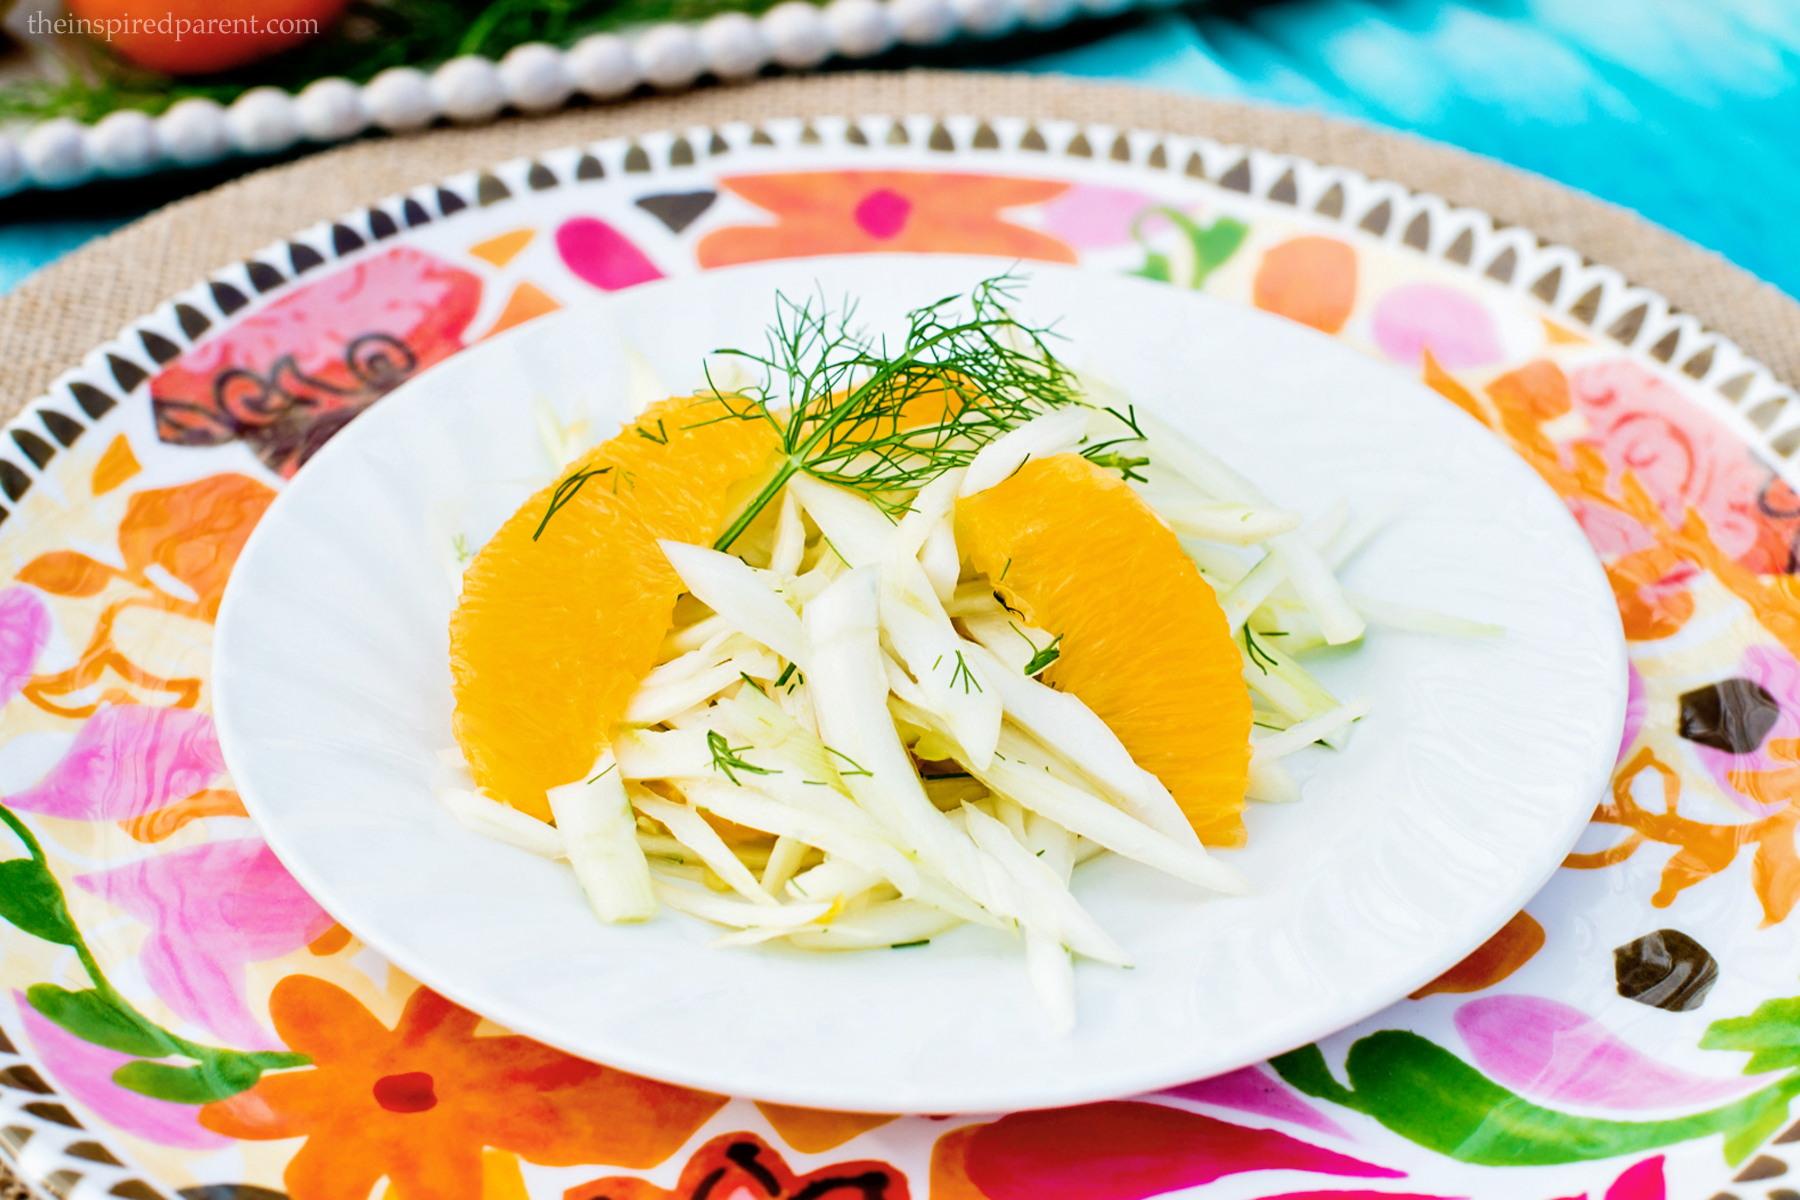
x=417, y=1103
x=194, y=533
x=865, y=212
x=1703, y=848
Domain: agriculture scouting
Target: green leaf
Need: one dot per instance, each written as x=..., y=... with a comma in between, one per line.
x=99, y=1019
x=273, y=1060
x=1213, y=244
x=1216, y=244
x=1765, y=1112
x=1771, y=1034
x=1305, y=1070
x=1429, y=1096
x=31, y=898
x=1156, y=266
x=221, y=1077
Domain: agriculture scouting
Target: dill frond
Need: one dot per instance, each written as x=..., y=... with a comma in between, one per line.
x=1102, y=454
x=963, y=675
x=842, y=401
x=1259, y=658
x=856, y=767
x=565, y=492
x=725, y=758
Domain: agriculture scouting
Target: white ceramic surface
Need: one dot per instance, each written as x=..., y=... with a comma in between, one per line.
x=1451, y=806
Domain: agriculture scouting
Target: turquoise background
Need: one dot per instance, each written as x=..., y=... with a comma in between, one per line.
x=1685, y=110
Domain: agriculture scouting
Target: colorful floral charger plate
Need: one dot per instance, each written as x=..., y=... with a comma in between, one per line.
x=1439, y=818
x=185, y=1021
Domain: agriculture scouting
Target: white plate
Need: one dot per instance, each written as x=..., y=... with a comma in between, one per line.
x=1453, y=803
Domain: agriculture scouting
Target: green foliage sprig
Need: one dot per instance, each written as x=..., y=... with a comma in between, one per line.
x=1429, y=1096
x=841, y=401
x=32, y=900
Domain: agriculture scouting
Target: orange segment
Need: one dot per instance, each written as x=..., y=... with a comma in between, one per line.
x=1144, y=642
x=552, y=636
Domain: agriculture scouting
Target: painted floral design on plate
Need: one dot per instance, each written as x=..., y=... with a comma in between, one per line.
x=186, y=1021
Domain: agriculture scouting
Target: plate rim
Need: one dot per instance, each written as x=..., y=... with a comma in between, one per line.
x=1254, y=173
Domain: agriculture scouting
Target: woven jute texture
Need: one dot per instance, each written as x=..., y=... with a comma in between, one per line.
x=56, y=316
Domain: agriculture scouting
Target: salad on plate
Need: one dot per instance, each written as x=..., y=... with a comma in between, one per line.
x=875, y=637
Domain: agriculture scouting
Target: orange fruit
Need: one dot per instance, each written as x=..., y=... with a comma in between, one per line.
x=552, y=635
x=1144, y=641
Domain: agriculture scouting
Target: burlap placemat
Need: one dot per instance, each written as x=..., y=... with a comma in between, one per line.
x=56, y=316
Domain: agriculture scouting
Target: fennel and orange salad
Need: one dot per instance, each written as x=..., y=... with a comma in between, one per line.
x=888, y=638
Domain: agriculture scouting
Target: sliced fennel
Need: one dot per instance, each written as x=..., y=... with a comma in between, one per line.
x=600, y=837
x=845, y=743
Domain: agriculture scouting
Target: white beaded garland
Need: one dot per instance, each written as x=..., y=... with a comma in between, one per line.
x=733, y=45
x=12, y=166
x=670, y=56
x=399, y=99
x=55, y=153
x=193, y=131
x=534, y=78
x=603, y=66
x=263, y=121
x=859, y=28
x=468, y=89
x=797, y=33
x=985, y=18
x=331, y=110
x=922, y=22
x=123, y=143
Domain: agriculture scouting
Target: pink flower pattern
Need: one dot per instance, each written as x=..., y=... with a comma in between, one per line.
x=601, y=255
x=1251, y=1090
x=1094, y=218
x=212, y=909
x=125, y=762
x=1454, y=326
x=1682, y=457
x=24, y=628
x=1548, y=1051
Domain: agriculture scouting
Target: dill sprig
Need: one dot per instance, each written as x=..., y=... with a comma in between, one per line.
x=856, y=768
x=840, y=400
x=565, y=492
x=1102, y=454
x=963, y=675
x=725, y=758
x=1259, y=658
